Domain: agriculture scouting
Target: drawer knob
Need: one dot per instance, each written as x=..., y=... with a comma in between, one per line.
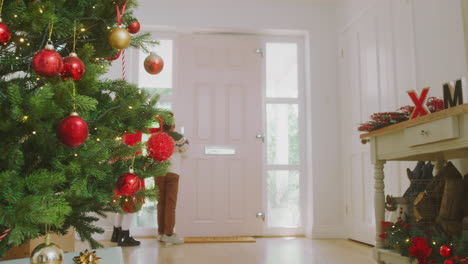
x=425, y=132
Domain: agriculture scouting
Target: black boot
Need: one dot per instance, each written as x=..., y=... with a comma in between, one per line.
x=126, y=240
x=116, y=234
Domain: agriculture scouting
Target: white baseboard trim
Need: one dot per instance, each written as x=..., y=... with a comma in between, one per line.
x=328, y=231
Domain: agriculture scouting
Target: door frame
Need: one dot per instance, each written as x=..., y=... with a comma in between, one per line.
x=303, y=100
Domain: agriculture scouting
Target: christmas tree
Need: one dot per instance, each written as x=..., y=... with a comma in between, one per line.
x=50, y=179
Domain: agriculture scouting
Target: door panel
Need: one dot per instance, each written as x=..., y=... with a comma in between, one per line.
x=218, y=102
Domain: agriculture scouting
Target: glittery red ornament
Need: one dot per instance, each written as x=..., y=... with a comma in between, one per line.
x=160, y=146
x=134, y=27
x=129, y=184
x=153, y=64
x=5, y=34
x=445, y=251
x=132, y=204
x=73, y=67
x=72, y=131
x=47, y=62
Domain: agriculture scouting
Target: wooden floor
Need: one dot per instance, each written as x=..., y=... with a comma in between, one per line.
x=264, y=251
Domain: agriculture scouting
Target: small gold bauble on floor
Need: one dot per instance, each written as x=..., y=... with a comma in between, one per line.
x=47, y=253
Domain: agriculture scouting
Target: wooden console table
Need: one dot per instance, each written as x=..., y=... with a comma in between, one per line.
x=439, y=136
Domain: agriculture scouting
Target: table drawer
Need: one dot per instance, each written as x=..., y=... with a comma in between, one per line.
x=438, y=130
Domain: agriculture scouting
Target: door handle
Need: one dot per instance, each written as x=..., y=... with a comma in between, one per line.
x=261, y=136
x=261, y=215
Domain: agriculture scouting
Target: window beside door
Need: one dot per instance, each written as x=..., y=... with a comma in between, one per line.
x=283, y=159
x=161, y=84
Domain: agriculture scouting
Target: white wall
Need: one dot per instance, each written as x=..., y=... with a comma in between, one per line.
x=436, y=29
x=317, y=23
x=416, y=43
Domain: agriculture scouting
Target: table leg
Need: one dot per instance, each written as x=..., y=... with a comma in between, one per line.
x=379, y=200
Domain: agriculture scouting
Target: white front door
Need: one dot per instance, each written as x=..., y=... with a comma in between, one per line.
x=218, y=107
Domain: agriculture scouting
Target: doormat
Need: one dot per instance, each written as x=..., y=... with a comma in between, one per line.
x=232, y=239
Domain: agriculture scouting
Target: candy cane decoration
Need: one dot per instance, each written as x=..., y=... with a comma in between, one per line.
x=3, y=235
x=124, y=73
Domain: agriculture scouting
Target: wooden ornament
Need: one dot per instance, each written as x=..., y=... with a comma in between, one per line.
x=420, y=108
x=454, y=93
x=451, y=208
x=465, y=196
x=423, y=208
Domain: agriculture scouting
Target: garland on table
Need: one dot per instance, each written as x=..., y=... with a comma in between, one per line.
x=383, y=119
x=412, y=242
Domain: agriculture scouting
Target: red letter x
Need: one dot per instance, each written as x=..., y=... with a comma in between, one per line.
x=419, y=103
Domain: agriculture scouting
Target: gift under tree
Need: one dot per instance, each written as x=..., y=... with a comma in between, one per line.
x=61, y=126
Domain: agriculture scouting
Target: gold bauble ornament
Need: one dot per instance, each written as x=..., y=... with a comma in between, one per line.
x=47, y=253
x=119, y=38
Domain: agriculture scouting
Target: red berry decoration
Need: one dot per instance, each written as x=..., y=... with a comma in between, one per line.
x=47, y=62
x=5, y=34
x=134, y=27
x=153, y=64
x=73, y=68
x=445, y=251
x=129, y=184
x=160, y=146
x=72, y=131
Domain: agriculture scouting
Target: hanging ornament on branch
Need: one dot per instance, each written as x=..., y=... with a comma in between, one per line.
x=126, y=194
x=47, y=62
x=160, y=145
x=47, y=253
x=72, y=131
x=119, y=38
x=73, y=67
x=129, y=184
x=5, y=34
x=154, y=64
x=134, y=27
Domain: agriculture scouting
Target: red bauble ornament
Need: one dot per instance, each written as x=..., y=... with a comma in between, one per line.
x=160, y=146
x=445, y=251
x=5, y=34
x=73, y=67
x=129, y=184
x=132, y=204
x=153, y=64
x=72, y=131
x=134, y=27
x=47, y=62
x=449, y=261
